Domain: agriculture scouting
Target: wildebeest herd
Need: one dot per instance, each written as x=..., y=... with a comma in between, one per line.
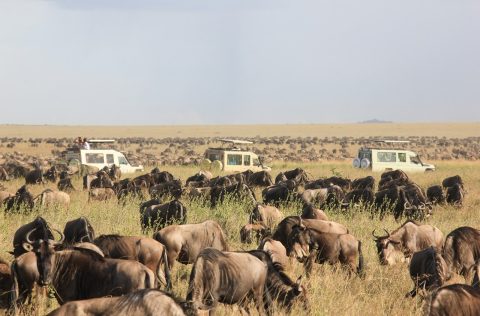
x=131, y=275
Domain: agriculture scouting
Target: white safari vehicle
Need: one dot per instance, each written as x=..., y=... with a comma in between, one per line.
x=380, y=160
x=232, y=158
x=99, y=157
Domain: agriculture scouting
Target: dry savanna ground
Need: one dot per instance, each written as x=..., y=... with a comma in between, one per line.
x=330, y=291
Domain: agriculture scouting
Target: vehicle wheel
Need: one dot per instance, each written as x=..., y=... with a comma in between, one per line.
x=356, y=163
x=205, y=164
x=365, y=163
x=216, y=165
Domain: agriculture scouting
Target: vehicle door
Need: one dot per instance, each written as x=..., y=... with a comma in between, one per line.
x=234, y=162
x=123, y=164
x=385, y=160
x=94, y=159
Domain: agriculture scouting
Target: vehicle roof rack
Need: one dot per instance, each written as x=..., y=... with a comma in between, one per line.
x=235, y=141
x=101, y=141
x=392, y=141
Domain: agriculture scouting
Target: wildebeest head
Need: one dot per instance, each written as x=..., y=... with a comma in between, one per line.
x=388, y=249
x=299, y=242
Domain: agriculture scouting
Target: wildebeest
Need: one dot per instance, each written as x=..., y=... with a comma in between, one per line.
x=201, y=176
x=145, y=250
x=50, y=198
x=185, y=242
x=455, y=195
x=428, y=270
x=310, y=245
x=314, y=196
x=399, y=175
x=139, y=303
x=65, y=185
x=34, y=176
x=279, y=192
x=100, y=194
x=51, y=174
x=101, y=181
x=78, y=230
x=343, y=183
x=392, y=198
x=173, y=188
x=363, y=183
x=114, y=173
x=462, y=250
x=268, y=215
x=260, y=178
x=277, y=251
x=435, y=194
x=454, y=299
x=30, y=232
x=237, y=191
x=22, y=199
x=81, y=273
x=310, y=212
x=5, y=283
x=359, y=196
x=451, y=181
x=161, y=215
x=298, y=175
x=406, y=240
x=251, y=232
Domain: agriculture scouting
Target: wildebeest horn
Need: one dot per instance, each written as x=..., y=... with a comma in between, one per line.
x=301, y=222
x=375, y=236
x=407, y=205
x=85, y=238
x=62, y=236
x=27, y=237
x=388, y=234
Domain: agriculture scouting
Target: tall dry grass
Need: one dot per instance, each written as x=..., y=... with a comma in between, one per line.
x=330, y=291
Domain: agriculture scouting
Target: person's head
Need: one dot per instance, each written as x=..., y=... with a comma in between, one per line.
x=84, y=140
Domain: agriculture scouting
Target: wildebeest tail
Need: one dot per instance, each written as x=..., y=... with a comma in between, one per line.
x=361, y=262
x=168, y=278
x=14, y=293
x=448, y=252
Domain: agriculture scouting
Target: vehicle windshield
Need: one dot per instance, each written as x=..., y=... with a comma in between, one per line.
x=122, y=160
x=416, y=160
x=256, y=162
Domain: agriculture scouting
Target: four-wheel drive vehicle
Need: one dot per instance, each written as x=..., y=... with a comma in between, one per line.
x=99, y=158
x=381, y=160
x=233, y=158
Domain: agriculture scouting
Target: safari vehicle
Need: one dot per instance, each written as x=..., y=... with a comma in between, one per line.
x=380, y=159
x=232, y=158
x=98, y=157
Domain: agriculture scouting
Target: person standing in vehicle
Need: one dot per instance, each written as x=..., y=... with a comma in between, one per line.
x=85, y=144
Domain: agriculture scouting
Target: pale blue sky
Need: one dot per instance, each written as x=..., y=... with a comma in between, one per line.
x=238, y=61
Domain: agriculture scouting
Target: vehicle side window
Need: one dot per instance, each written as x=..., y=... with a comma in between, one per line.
x=246, y=160
x=213, y=157
x=386, y=156
x=110, y=159
x=402, y=157
x=94, y=158
x=122, y=160
x=234, y=160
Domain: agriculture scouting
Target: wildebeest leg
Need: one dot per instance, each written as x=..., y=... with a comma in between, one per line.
x=308, y=264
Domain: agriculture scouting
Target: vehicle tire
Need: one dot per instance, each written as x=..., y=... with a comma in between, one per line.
x=356, y=163
x=216, y=165
x=365, y=163
x=205, y=164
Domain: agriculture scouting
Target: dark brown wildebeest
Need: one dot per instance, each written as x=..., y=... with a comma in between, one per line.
x=260, y=179
x=201, y=176
x=78, y=274
x=364, y=183
x=278, y=193
x=343, y=183
x=398, y=175
x=253, y=232
x=100, y=194
x=298, y=175
x=22, y=199
x=310, y=212
x=150, y=302
x=5, y=283
x=310, y=245
x=78, y=230
x=237, y=191
x=87, y=180
x=35, y=176
x=161, y=215
x=455, y=195
x=406, y=240
x=114, y=173
x=173, y=188
x=435, y=194
x=428, y=270
x=145, y=250
x=284, y=228
x=161, y=177
x=268, y=215
x=35, y=230
x=451, y=181
x=359, y=196
x=101, y=181
x=185, y=242
x=51, y=174
x=454, y=299
x=393, y=199
x=280, y=178
x=462, y=250
x=65, y=185
x=315, y=184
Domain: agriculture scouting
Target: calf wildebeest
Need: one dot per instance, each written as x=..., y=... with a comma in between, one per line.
x=363, y=183
x=309, y=245
x=237, y=191
x=78, y=230
x=35, y=230
x=462, y=250
x=455, y=299
x=22, y=199
x=100, y=194
x=252, y=232
x=455, y=195
x=435, y=194
x=139, y=303
x=310, y=212
x=50, y=198
x=159, y=216
x=81, y=273
x=268, y=215
x=428, y=270
x=5, y=283
x=185, y=242
x=451, y=181
x=284, y=228
x=405, y=240
x=35, y=176
x=145, y=250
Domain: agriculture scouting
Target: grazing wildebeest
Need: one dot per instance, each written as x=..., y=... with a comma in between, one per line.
x=251, y=232
x=78, y=230
x=22, y=199
x=310, y=212
x=51, y=174
x=185, y=242
x=343, y=183
x=35, y=230
x=392, y=198
x=455, y=195
x=428, y=270
x=237, y=191
x=284, y=228
x=65, y=185
x=406, y=240
x=454, y=299
x=201, y=176
x=363, y=183
x=101, y=181
x=314, y=196
x=359, y=196
x=145, y=250
x=50, y=198
x=161, y=215
x=398, y=175
x=5, y=283
x=35, y=176
x=78, y=274
x=100, y=194
x=173, y=188
x=435, y=194
x=279, y=192
x=451, y=181
x=223, y=277
x=309, y=246
x=462, y=250
x=268, y=215
x=150, y=302
x=298, y=175
x=260, y=178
